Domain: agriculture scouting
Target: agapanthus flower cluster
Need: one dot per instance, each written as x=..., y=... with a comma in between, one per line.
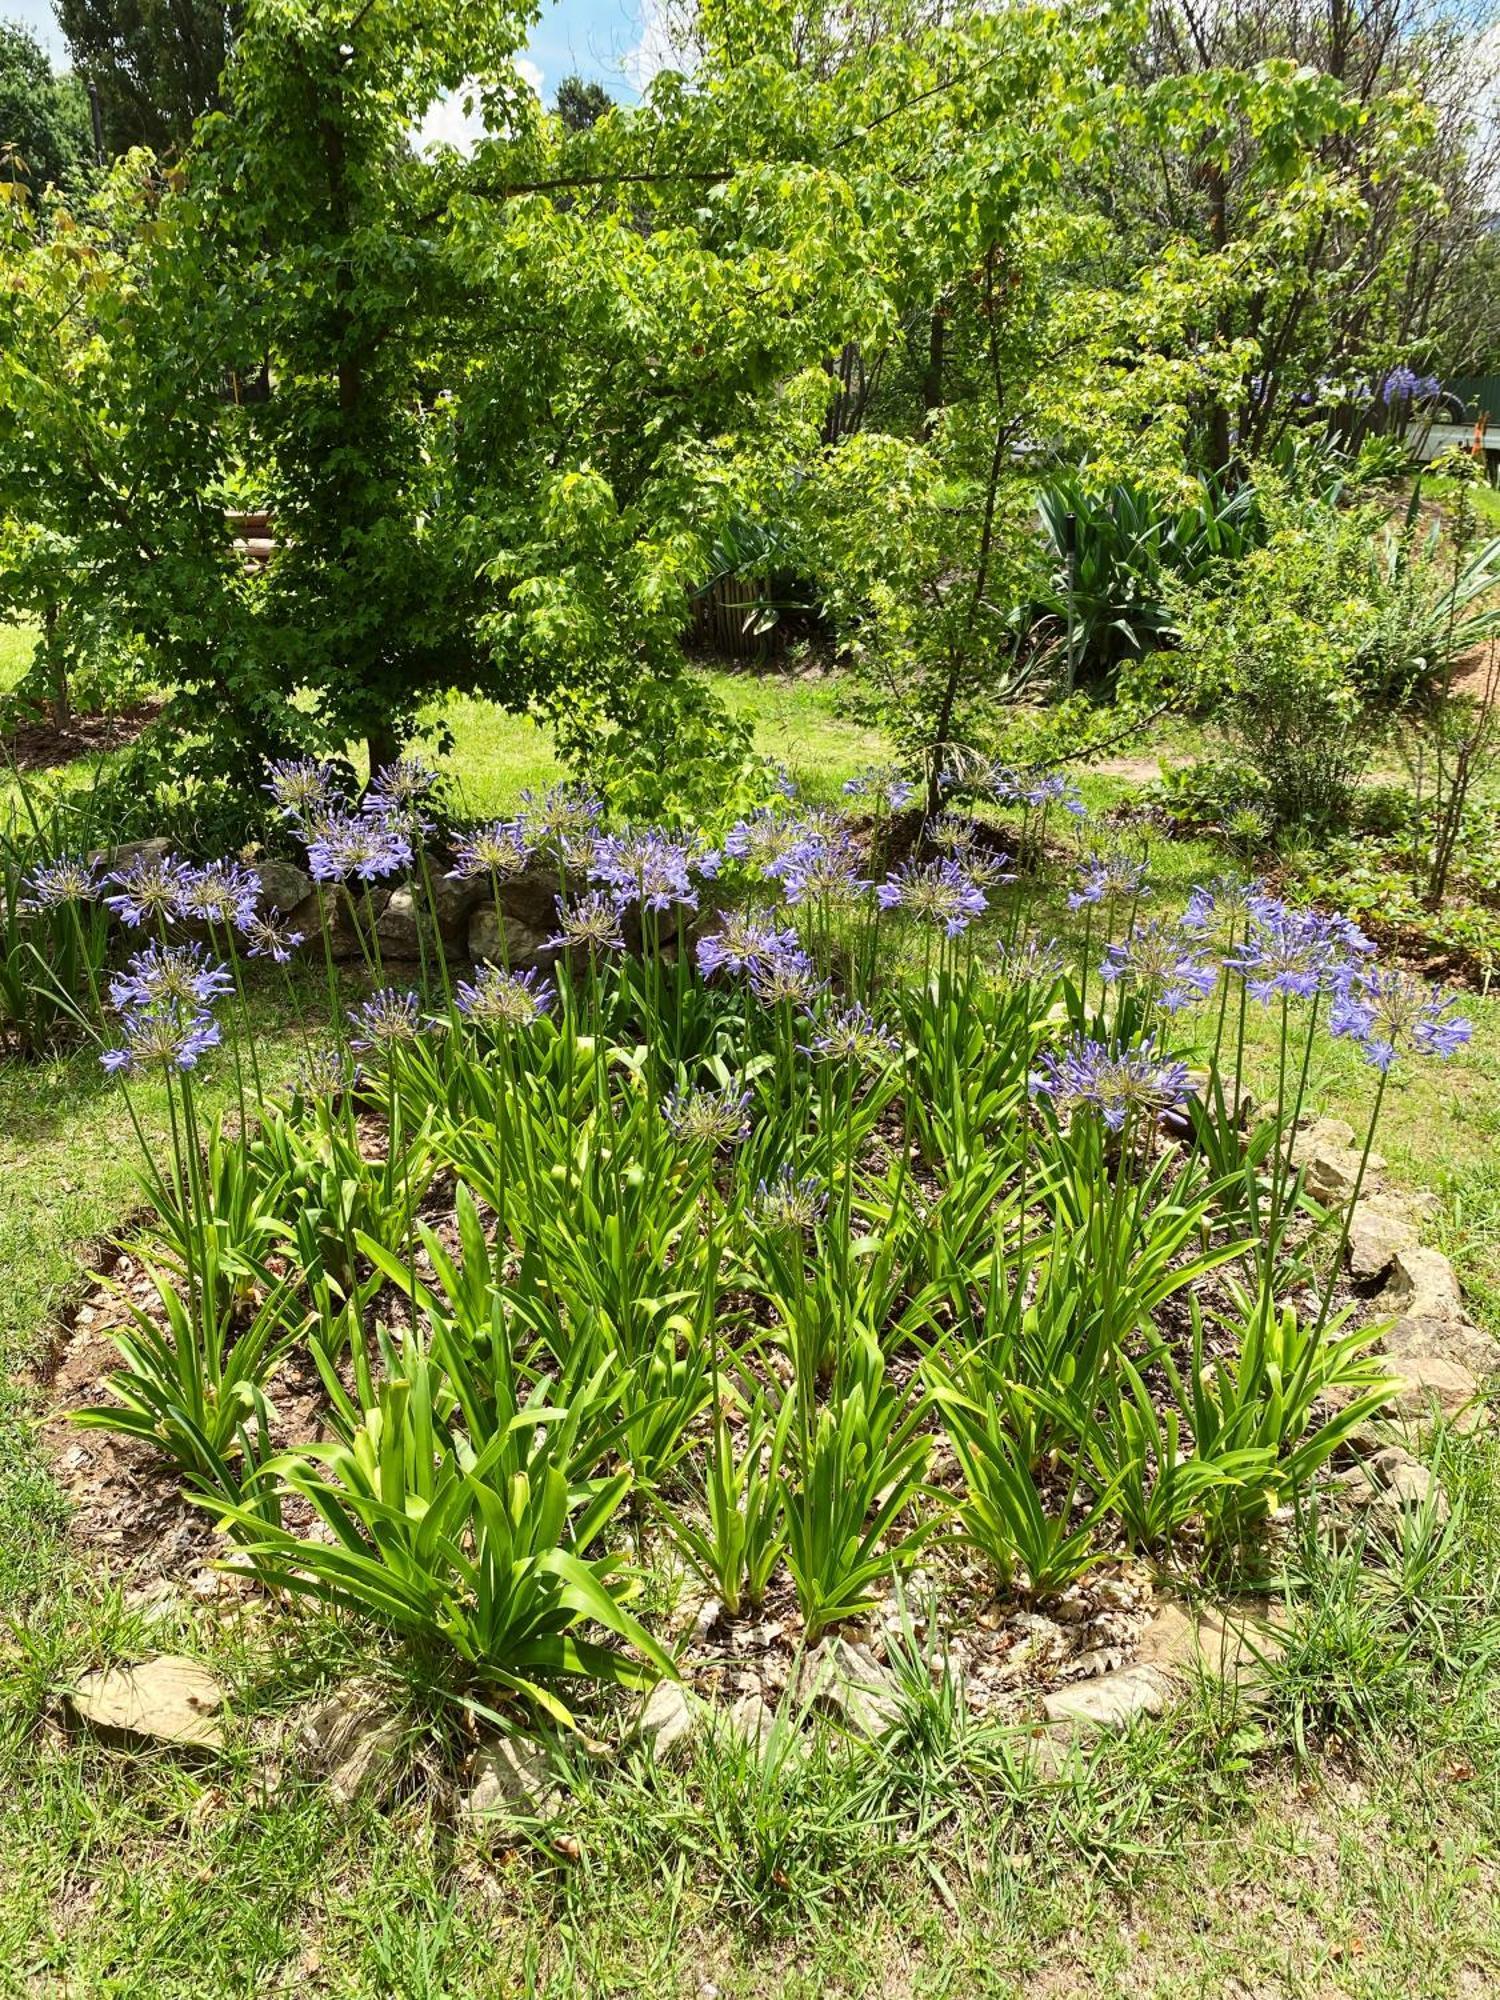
x=149, y=890
x=270, y=937
x=222, y=893
x=499, y=850
x=785, y=978
x=180, y=976
x=1389, y=1012
x=61, y=882
x=1158, y=960
x=709, y=1117
x=823, y=867
x=935, y=892
x=591, y=922
x=789, y=1203
x=648, y=867
x=386, y=1020
x=306, y=790
x=1016, y=788
x=769, y=838
x=851, y=1035
x=1113, y=1081
x=326, y=1072
x=396, y=791
x=563, y=815
x=743, y=942
x=1030, y=962
x=1295, y=954
x=1107, y=879
x=882, y=789
x=164, y=1037
x=1224, y=900
x=358, y=846
x=1405, y=385
x=497, y=999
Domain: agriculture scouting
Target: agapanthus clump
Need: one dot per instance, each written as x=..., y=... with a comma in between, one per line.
x=325, y=1073
x=397, y=790
x=716, y=1118
x=742, y=942
x=499, y=850
x=1158, y=961
x=180, y=976
x=787, y=1202
x=165, y=1037
x=1390, y=1013
x=148, y=891
x=786, y=978
x=305, y=789
x=61, y=882
x=222, y=893
x=496, y=999
x=882, y=790
x=767, y=840
x=591, y=922
x=388, y=1019
x=562, y=815
x=1054, y=790
x=1113, y=1081
x=1108, y=879
x=851, y=1035
x=358, y=846
x=647, y=867
x=935, y=892
x=270, y=937
x=1030, y=962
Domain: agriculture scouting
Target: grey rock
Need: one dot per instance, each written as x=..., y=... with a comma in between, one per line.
x=847, y=1682
x=1423, y=1337
x=1422, y=1284
x=670, y=1718
x=168, y=1699
x=283, y=885
x=753, y=1719
x=346, y=930
x=511, y=1785
x=1317, y=1132
x=117, y=859
x=1331, y=1173
x=1112, y=1701
x=1377, y=1236
x=354, y=1740
x=524, y=945
x=1425, y=1385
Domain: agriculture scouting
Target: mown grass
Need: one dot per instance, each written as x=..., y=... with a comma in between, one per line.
x=1197, y=1855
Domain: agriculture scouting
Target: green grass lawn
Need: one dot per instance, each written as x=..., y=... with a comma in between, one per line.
x=16, y=642
x=1197, y=1856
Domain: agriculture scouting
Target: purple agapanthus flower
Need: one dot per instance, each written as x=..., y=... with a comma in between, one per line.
x=387, y=1018
x=1112, y=1081
x=562, y=814
x=358, y=845
x=182, y=976
x=1295, y=954
x=851, y=1035
x=935, y=892
x=60, y=882
x=787, y=1202
x=823, y=868
x=882, y=789
x=742, y=942
x=1054, y=790
x=500, y=850
x=646, y=866
x=499, y=999
x=304, y=788
x=591, y=922
x=714, y=1118
x=1158, y=961
x=769, y=837
x=1388, y=1012
x=149, y=889
x=1109, y=878
x=785, y=978
x=269, y=937
x=163, y=1037
x=221, y=892
x=396, y=791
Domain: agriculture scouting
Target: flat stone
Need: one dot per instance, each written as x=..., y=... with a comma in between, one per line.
x=1320, y=1132
x=1425, y=1385
x=1376, y=1238
x=512, y=1784
x=1230, y=1641
x=846, y=1681
x=168, y=1699
x=1422, y=1283
x=1417, y=1337
x=354, y=1740
x=117, y=859
x=1112, y=1701
x=523, y=946
x=669, y=1720
x=1331, y=1173
x=752, y=1719
x=309, y=916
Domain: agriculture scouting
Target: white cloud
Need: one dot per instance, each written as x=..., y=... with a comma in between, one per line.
x=663, y=44
x=447, y=123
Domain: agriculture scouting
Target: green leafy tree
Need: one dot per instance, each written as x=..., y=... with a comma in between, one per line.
x=44, y=118
x=156, y=64
x=580, y=105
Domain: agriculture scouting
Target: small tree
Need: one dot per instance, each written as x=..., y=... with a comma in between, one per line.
x=580, y=105
x=44, y=118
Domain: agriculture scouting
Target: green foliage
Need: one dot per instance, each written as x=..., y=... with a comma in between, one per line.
x=155, y=65
x=44, y=118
